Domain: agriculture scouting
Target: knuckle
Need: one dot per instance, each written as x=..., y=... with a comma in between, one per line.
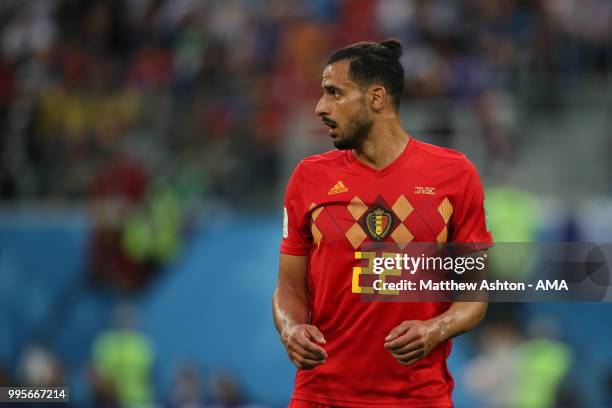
x=410, y=356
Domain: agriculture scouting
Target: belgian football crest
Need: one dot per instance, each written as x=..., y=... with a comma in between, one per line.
x=378, y=221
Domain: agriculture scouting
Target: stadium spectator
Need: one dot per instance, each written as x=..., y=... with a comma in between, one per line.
x=157, y=68
x=122, y=359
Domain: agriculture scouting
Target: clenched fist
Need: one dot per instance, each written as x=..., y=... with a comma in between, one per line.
x=300, y=341
x=411, y=340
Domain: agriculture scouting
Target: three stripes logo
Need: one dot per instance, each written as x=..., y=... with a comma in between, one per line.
x=338, y=188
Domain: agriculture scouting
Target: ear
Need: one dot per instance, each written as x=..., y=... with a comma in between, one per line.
x=378, y=96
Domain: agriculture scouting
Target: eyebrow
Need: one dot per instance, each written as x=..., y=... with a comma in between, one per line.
x=330, y=88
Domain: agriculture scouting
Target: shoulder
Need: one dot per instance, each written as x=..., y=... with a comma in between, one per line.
x=325, y=158
x=312, y=173
x=438, y=152
x=323, y=161
x=434, y=156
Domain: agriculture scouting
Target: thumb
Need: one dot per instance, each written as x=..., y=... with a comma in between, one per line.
x=397, y=331
x=315, y=334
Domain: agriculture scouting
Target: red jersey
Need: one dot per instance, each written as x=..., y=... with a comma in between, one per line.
x=428, y=194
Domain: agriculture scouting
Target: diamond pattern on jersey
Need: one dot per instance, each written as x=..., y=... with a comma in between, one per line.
x=400, y=222
x=446, y=211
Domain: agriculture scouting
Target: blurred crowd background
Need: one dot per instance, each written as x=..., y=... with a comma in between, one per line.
x=144, y=147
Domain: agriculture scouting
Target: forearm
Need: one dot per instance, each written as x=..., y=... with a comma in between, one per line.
x=461, y=317
x=289, y=307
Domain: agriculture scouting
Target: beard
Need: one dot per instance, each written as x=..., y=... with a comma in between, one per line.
x=357, y=131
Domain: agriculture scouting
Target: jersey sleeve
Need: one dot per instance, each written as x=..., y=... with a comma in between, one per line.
x=469, y=225
x=297, y=238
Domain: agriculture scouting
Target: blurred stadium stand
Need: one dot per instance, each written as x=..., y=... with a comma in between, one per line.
x=144, y=146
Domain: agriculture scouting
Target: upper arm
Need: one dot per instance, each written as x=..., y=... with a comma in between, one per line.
x=297, y=237
x=468, y=224
x=292, y=275
x=290, y=301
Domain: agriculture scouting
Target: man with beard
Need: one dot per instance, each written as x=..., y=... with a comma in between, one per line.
x=380, y=185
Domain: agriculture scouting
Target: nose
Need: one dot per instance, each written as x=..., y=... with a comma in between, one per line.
x=322, y=108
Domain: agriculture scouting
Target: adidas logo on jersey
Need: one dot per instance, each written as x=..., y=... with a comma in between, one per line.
x=338, y=188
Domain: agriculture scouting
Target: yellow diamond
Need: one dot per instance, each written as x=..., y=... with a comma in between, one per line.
x=357, y=207
x=355, y=235
x=402, y=236
x=402, y=208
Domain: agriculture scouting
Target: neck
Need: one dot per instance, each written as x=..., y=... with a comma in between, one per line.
x=384, y=144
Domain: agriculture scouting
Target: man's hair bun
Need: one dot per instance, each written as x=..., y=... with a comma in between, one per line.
x=394, y=47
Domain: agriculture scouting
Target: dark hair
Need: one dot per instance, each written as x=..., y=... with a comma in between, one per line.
x=372, y=62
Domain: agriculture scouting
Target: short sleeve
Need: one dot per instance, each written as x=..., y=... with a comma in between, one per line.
x=297, y=238
x=468, y=224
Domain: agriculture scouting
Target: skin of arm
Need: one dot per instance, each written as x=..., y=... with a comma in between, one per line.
x=290, y=311
x=412, y=340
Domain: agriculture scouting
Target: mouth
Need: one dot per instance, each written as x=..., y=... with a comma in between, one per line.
x=332, y=126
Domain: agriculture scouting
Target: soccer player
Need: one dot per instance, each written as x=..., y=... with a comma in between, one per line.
x=380, y=185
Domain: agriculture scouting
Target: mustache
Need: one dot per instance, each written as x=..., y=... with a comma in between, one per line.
x=328, y=121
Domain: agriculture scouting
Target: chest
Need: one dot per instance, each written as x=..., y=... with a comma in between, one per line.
x=398, y=210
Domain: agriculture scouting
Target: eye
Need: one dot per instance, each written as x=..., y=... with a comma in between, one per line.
x=330, y=90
